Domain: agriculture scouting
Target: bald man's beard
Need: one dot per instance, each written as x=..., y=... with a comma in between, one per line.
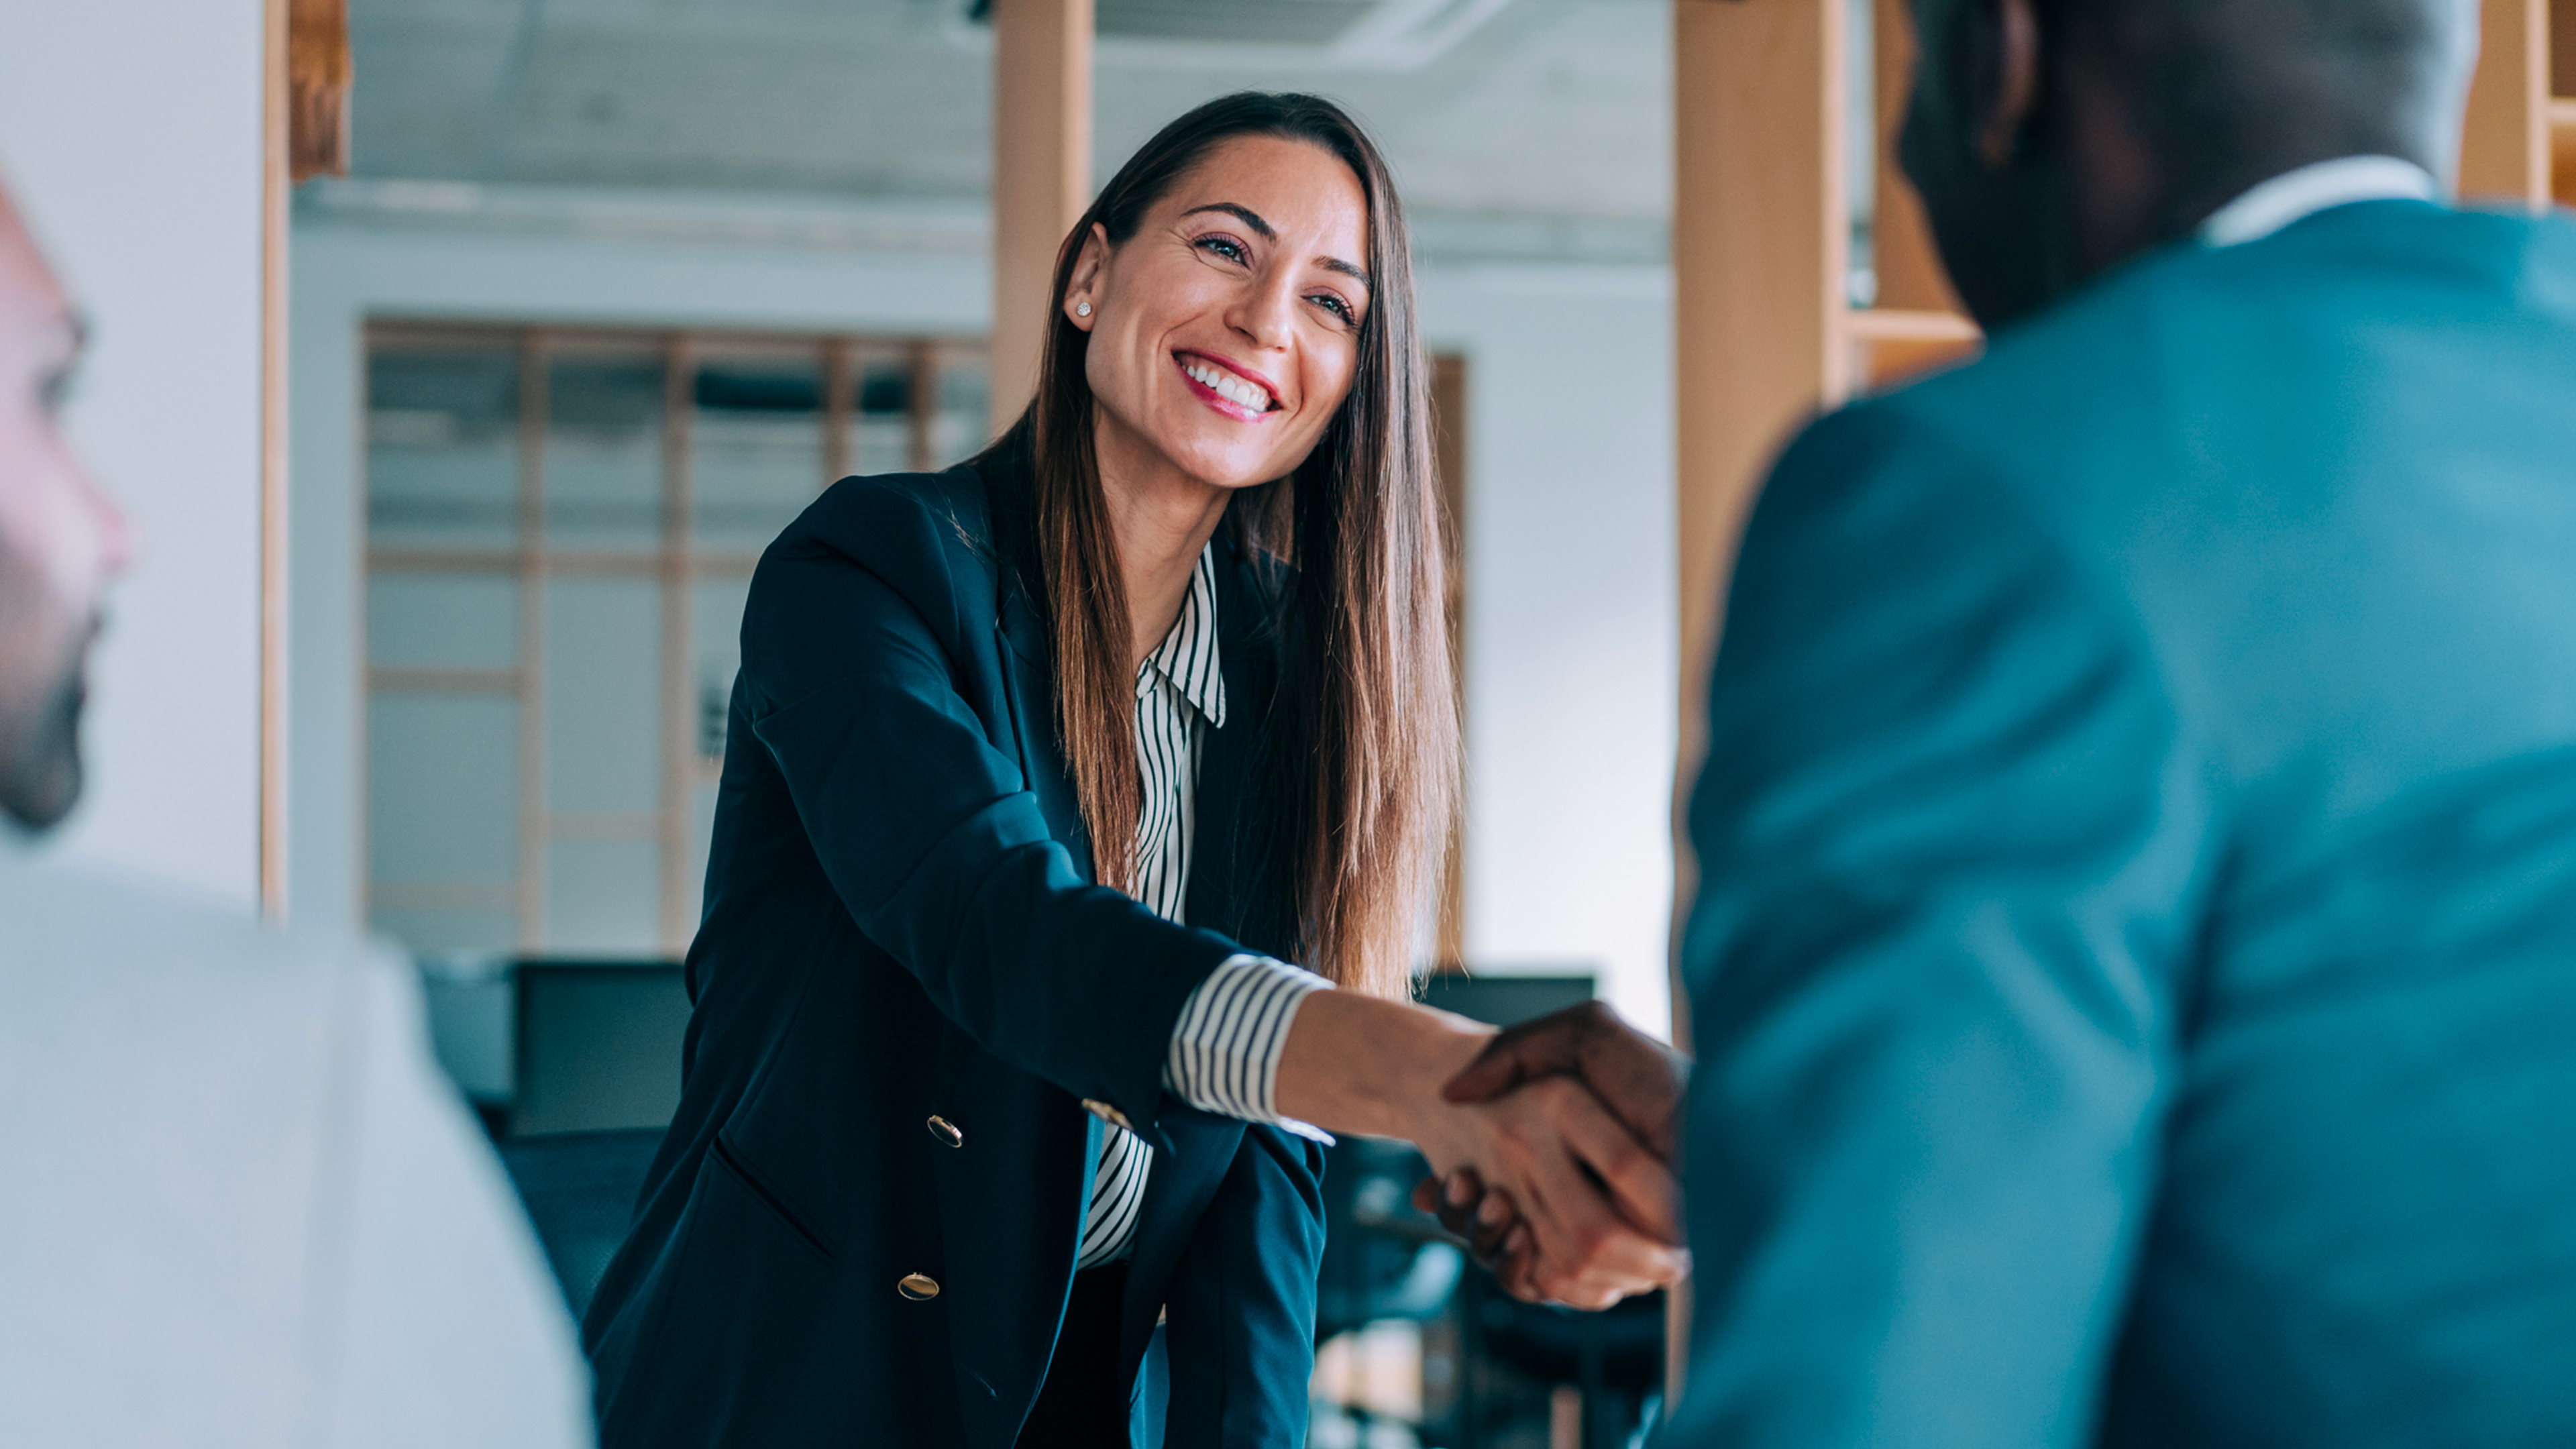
x=40, y=757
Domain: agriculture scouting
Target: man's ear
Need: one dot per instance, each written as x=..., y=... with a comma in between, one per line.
x=1081, y=294
x=2010, y=38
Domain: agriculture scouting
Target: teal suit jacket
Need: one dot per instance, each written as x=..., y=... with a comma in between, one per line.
x=2134, y=974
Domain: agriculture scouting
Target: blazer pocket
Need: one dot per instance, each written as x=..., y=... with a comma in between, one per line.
x=752, y=1182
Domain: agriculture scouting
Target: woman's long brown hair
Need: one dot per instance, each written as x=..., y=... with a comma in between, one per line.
x=1364, y=734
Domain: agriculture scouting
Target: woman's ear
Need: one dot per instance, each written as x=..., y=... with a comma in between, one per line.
x=2009, y=37
x=1081, y=294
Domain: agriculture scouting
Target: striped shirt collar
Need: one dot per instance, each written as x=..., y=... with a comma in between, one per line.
x=1187, y=657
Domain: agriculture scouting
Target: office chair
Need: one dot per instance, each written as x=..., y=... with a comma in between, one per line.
x=596, y=1068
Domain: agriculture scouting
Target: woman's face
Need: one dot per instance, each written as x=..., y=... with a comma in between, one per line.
x=1225, y=332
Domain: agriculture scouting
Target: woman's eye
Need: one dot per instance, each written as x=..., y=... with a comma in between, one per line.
x=1224, y=246
x=1334, y=305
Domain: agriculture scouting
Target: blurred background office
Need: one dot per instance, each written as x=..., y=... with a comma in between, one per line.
x=457, y=358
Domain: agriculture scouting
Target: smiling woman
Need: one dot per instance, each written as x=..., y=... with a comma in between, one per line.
x=1037, y=773
x=1218, y=352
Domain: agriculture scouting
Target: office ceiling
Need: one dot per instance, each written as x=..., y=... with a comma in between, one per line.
x=1509, y=108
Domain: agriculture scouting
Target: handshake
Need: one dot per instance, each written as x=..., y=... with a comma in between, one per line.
x=1578, y=1206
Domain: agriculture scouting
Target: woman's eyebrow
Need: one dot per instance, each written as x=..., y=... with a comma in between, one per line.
x=1243, y=214
x=1266, y=232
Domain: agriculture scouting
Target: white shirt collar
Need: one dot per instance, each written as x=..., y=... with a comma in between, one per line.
x=1187, y=657
x=2295, y=196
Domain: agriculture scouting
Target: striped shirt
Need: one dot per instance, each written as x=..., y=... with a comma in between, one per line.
x=1225, y=1049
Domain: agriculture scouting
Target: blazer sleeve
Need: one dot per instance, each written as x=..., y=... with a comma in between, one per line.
x=929, y=835
x=1952, y=838
x=1241, y=1308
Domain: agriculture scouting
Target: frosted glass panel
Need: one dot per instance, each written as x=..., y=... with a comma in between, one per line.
x=459, y=596
x=603, y=670
x=442, y=621
x=715, y=642
x=702, y=825
x=603, y=483
x=442, y=447
x=441, y=789
x=756, y=446
x=884, y=414
x=964, y=423
x=602, y=898
x=433, y=933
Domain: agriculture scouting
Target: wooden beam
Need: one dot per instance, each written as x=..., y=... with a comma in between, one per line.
x=838, y=394
x=318, y=70
x=679, y=694
x=1449, y=447
x=274, y=158
x=1041, y=176
x=2562, y=48
x=2505, y=145
x=1761, y=246
x=2562, y=129
x=534, y=362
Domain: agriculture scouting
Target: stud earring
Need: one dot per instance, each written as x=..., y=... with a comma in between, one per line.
x=1082, y=309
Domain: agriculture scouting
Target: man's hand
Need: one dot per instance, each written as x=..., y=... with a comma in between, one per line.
x=1637, y=1078
x=1599, y=1208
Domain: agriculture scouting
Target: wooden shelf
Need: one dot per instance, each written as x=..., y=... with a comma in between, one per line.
x=1890, y=344
x=1892, y=324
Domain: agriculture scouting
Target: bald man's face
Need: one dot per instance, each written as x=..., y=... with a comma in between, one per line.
x=61, y=542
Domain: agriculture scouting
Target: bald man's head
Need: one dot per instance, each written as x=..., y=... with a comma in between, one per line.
x=61, y=542
x=2054, y=138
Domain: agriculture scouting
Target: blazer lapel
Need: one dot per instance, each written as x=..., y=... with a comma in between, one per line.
x=1028, y=677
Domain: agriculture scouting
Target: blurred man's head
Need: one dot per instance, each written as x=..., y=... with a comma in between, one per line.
x=2053, y=139
x=61, y=541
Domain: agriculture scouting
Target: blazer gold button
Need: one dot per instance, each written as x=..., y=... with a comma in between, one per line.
x=1107, y=1113
x=946, y=1131
x=919, y=1287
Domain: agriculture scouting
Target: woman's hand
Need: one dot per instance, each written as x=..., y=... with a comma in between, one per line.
x=1598, y=1208
x=1589, y=1214
x=1635, y=1076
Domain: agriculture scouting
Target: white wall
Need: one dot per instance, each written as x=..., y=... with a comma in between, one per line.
x=1571, y=625
x=1572, y=634
x=130, y=136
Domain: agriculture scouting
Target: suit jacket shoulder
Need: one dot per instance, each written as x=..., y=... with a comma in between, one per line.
x=928, y=536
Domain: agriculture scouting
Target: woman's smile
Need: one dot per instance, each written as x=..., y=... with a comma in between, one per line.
x=1227, y=389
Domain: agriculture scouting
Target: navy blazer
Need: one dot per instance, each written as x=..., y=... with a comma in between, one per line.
x=901, y=922
x=2135, y=974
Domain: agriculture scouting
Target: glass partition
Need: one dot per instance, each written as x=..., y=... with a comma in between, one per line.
x=561, y=530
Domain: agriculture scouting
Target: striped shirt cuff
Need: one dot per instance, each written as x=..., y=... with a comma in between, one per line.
x=1225, y=1052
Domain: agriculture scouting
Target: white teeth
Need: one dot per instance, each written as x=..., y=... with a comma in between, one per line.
x=1233, y=389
